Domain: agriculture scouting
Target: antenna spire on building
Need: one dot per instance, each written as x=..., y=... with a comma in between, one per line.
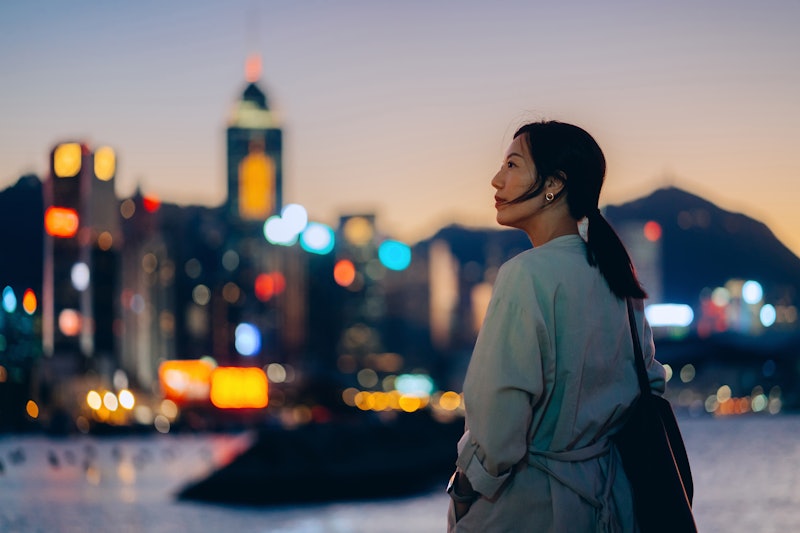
x=252, y=68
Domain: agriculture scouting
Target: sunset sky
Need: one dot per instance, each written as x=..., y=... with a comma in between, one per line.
x=405, y=108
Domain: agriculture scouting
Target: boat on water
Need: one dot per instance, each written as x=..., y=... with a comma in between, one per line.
x=354, y=459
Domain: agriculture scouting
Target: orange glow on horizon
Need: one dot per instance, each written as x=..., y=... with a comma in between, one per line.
x=61, y=222
x=239, y=388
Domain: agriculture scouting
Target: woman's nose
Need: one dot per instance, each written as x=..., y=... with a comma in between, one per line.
x=497, y=182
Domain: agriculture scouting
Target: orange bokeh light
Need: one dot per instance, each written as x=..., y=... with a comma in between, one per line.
x=344, y=272
x=151, y=204
x=239, y=388
x=184, y=381
x=61, y=221
x=29, y=301
x=269, y=285
x=265, y=287
x=279, y=282
x=69, y=322
x=652, y=231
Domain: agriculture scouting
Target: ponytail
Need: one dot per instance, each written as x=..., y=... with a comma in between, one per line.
x=606, y=251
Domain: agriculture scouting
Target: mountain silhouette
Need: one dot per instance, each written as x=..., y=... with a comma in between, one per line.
x=703, y=246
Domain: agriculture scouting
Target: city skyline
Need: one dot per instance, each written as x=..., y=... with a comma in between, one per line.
x=405, y=110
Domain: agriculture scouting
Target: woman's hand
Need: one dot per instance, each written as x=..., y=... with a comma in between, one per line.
x=462, y=493
x=461, y=509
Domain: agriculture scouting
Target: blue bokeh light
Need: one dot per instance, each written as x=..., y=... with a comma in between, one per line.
x=248, y=339
x=394, y=255
x=9, y=300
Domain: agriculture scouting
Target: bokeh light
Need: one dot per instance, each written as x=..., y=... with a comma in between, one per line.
x=80, y=276
x=67, y=160
x=94, y=400
x=151, y=203
x=105, y=163
x=239, y=388
x=9, y=300
x=675, y=315
x=110, y=401
x=61, y=222
x=450, y=401
x=248, y=339
x=126, y=399
x=277, y=231
x=295, y=217
x=358, y=231
x=687, y=373
x=752, y=292
x=652, y=231
x=394, y=255
x=32, y=408
x=29, y=301
x=767, y=315
x=344, y=272
x=317, y=238
x=69, y=322
x=414, y=384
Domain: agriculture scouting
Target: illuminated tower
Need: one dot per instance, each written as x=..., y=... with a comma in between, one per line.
x=82, y=237
x=254, y=154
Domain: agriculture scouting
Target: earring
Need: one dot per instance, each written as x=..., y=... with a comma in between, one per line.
x=549, y=197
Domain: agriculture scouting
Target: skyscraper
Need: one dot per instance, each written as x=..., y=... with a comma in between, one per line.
x=81, y=249
x=255, y=146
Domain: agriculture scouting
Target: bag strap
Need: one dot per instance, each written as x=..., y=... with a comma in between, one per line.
x=644, y=383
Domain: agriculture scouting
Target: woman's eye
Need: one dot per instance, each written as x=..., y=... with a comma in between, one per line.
x=509, y=164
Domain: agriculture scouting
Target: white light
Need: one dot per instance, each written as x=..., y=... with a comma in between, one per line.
x=126, y=399
x=295, y=217
x=248, y=339
x=317, y=238
x=767, y=315
x=110, y=401
x=679, y=315
x=277, y=231
x=721, y=296
x=414, y=384
x=752, y=292
x=80, y=276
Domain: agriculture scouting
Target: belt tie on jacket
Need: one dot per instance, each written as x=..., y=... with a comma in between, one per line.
x=603, y=503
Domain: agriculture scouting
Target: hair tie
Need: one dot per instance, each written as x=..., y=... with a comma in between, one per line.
x=594, y=213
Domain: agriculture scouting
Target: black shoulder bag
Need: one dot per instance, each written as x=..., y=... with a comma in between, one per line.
x=654, y=457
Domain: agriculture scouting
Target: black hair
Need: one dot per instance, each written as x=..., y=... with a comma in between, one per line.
x=568, y=153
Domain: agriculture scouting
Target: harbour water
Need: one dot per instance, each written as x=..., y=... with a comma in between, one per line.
x=746, y=471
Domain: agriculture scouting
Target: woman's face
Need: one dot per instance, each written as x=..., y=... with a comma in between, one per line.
x=516, y=177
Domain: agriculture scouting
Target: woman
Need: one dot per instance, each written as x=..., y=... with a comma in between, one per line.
x=552, y=372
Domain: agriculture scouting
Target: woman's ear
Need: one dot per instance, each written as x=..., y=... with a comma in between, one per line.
x=555, y=184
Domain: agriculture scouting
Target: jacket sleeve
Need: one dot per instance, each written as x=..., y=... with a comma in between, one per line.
x=656, y=373
x=504, y=380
